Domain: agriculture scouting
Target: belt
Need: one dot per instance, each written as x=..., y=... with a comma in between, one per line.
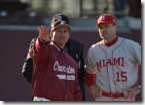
x=113, y=95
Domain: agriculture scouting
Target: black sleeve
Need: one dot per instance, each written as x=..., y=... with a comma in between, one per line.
x=27, y=69
x=76, y=50
x=81, y=71
x=81, y=62
x=28, y=64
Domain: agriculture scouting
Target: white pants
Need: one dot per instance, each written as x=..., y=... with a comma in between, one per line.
x=40, y=99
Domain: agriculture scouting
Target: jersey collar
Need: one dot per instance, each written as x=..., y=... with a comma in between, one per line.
x=111, y=42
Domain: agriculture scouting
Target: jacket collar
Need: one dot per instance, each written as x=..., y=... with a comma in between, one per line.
x=57, y=46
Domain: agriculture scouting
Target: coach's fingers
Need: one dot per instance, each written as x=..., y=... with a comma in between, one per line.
x=39, y=29
x=43, y=29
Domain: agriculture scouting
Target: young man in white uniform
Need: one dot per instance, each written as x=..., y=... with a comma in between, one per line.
x=112, y=64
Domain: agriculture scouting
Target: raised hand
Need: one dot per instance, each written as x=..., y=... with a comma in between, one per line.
x=43, y=33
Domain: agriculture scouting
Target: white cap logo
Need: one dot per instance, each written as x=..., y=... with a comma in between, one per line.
x=103, y=18
x=62, y=22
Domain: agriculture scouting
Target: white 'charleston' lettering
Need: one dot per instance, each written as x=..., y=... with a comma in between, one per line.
x=61, y=76
x=70, y=77
x=62, y=68
x=66, y=77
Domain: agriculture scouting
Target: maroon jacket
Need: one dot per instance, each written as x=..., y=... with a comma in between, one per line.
x=54, y=73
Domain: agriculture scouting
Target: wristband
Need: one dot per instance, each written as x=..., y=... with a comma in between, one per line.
x=90, y=79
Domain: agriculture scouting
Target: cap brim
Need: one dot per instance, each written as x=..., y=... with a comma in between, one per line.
x=102, y=22
x=62, y=25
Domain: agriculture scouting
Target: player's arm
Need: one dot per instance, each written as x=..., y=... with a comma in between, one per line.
x=91, y=83
x=90, y=76
x=137, y=49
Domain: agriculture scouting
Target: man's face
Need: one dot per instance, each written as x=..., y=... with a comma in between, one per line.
x=61, y=35
x=107, y=31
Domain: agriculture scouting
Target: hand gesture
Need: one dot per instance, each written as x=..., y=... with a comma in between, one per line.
x=43, y=33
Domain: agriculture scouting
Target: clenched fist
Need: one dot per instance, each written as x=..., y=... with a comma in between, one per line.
x=43, y=33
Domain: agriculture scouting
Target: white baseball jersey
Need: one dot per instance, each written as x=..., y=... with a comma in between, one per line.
x=116, y=66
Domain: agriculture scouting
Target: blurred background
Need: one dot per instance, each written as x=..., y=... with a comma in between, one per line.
x=19, y=20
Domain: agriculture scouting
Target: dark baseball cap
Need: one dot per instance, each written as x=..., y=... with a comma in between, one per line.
x=59, y=20
x=61, y=17
x=59, y=23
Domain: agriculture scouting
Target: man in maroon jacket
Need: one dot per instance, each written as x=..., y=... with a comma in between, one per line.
x=54, y=75
x=74, y=48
